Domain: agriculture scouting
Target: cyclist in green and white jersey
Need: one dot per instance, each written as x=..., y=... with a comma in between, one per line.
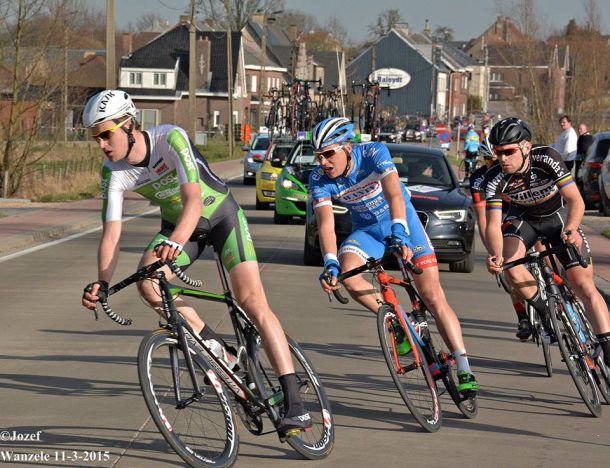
x=164, y=166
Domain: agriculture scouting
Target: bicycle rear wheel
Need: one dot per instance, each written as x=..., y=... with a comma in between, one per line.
x=411, y=375
x=576, y=362
x=318, y=442
x=462, y=172
x=540, y=340
x=199, y=427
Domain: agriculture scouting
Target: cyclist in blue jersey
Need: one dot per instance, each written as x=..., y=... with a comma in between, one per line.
x=471, y=148
x=365, y=179
x=163, y=165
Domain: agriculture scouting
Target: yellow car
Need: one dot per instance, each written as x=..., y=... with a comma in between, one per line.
x=267, y=174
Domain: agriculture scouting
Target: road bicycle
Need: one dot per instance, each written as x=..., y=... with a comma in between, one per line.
x=368, y=116
x=467, y=167
x=193, y=395
x=570, y=328
x=416, y=371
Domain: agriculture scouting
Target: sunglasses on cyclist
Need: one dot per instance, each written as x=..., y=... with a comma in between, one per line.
x=105, y=135
x=319, y=155
x=506, y=152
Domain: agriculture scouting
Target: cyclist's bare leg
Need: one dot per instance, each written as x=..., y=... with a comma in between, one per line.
x=581, y=279
x=429, y=287
x=149, y=290
x=358, y=287
x=519, y=277
x=249, y=292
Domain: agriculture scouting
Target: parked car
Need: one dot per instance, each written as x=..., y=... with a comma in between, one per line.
x=587, y=178
x=445, y=211
x=389, y=134
x=291, y=185
x=604, y=186
x=270, y=169
x=254, y=158
x=412, y=133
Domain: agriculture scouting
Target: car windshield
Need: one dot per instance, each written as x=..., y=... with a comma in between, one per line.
x=422, y=169
x=280, y=152
x=303, y=155
x=261, y=144
x=388, y=129
x=412, y=127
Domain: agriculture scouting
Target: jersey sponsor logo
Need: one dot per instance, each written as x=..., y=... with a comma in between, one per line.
x=168, y=192
x=552, y=162
x=161, y=169
x=352, y=241
x=209, y=200
x=316, y=175
x=187, y=159
x=418, y=248
x=368, y=190
x=167, y=180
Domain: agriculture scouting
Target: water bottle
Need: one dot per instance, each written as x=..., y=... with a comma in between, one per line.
x=576, y=322
x=402, y=343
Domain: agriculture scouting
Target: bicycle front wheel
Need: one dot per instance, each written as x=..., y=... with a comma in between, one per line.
x=318, y=442
x=540, y=340
x=410, y=373
x=576, y=362
x=200, y=427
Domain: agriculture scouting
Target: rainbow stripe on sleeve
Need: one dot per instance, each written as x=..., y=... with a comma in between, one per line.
x=494, y=205
x=565, y=181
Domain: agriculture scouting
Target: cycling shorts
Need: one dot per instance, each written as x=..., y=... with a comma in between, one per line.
x=369, y=241
x=227, y=232
x=548, y=229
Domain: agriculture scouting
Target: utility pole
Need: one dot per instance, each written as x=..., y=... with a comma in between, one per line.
x=192, y=75
x=261, y=72
x=65, y=83
x=230, y=78
x=486, y=81
x=110, y=46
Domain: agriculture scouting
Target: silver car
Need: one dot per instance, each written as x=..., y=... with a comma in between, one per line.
x=255, y=157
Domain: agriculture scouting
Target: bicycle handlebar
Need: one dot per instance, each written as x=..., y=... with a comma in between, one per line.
x=144, y=272
x=371, y=264
x=552, y=251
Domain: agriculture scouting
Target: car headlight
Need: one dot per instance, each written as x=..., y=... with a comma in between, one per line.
x=288, y=184
x=455, y=215
x=250, y=160
x=268, y=175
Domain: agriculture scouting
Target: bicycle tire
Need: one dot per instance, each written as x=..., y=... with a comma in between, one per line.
x=468, y=406
x=416, y=387
x=319, y=441
x=203, y=433
x=462, y=170
x=540, y=340
x=569, y=348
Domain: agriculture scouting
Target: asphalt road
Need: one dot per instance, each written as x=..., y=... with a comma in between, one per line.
x=75, y=380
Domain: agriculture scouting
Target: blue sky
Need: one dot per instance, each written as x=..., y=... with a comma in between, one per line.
x=468, y=18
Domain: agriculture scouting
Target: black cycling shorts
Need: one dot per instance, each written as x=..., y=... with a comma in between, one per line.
x=547, y=229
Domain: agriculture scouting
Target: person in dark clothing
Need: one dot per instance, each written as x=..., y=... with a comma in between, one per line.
x=585, y=140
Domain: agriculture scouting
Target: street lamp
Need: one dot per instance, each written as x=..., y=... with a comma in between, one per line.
x=267, y=18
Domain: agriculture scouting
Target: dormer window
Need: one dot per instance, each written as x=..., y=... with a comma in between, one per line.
x=160, y=79
x=135, y=78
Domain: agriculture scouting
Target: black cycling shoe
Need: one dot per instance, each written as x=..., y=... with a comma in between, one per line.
x=524, y=329
x=291, y=426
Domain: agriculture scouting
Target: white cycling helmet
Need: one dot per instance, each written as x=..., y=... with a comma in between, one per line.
x=107, y=105
x=331, y=131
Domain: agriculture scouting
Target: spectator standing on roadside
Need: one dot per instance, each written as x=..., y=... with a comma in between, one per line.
x=566, y=143
x=585, y=140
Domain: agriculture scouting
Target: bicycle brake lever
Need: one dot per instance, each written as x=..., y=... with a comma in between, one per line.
x=95, y=313
x=330, y=298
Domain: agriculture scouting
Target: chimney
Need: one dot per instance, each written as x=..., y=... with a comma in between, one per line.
x=126, y=44
x=427, y=26
x=185, y=19
x=403, y=28
x=505, y=25
x=293, y=32
x=202, y=57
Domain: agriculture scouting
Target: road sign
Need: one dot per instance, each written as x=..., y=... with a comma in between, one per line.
x=444, y=136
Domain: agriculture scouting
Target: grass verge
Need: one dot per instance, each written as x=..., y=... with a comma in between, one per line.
x=606, y=233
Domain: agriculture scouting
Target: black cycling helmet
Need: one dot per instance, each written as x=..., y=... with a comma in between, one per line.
x=508, y=131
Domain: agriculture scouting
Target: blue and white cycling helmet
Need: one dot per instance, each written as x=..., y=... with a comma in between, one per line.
x=332, y=131
x=486, y=150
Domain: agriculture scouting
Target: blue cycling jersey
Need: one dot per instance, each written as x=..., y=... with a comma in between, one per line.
x=471, y=142
x=361, y=190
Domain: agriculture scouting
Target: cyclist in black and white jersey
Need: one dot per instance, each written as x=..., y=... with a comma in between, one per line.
x=164, y=166
x=545, y=202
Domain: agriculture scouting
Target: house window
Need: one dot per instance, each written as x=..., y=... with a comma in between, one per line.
x=160, y=79
x=465, y=84
x=254, y=84
x=148, y=118
x=216, y=119
x=235, y=117
x=135, y=78
x=268, y=83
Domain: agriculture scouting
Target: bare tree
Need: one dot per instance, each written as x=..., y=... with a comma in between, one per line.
x=385, y=22
x=34, y=79
x=335, y=27
x=444, y=32
x=149, y=21
x=303, y=21
x=241, y=11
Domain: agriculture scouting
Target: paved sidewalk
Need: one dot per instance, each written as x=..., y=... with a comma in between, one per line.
x=24, y=224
